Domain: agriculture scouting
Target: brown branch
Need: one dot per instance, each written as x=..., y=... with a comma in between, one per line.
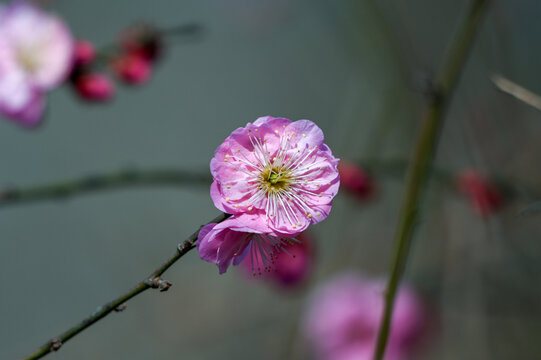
x=153, y=281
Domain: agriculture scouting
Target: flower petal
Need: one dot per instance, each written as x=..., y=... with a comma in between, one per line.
x=207, y=245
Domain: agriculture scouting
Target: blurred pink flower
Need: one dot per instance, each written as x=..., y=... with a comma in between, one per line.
x=236, y=238
x=94, y=87
x=279, y=171
x=356, y=180
x=133, y=69
x=484, y=196
x=343, y=318
x=36, y=52
x=291, y=266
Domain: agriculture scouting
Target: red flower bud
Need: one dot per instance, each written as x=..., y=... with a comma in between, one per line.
x=143, y=40
x=484, y=196
x=84, y=53
x=356, y=180
x=133, y=69
x=94, y=87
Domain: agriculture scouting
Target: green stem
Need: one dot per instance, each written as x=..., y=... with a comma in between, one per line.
x=419, y=166
x=152, y=281
x=113, y=180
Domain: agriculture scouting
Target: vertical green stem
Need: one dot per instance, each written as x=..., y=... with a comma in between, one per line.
x=420, y=164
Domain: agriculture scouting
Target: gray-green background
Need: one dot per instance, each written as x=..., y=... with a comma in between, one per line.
x=357, y=69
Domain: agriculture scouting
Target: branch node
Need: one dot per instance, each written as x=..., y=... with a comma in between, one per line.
x=55, y=344
x=184, y=247
x=159, y=283
x=426, y=84
x=121, y=307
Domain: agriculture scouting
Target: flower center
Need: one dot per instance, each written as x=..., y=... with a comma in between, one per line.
x=27, y=60
x=274, y=179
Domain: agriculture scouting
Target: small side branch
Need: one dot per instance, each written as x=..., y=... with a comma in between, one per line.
x=153, y=281
x=518, y=92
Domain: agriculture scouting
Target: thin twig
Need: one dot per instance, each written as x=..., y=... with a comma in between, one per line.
x=152, y=281
x=180, y=33
x=184, y=31
x=422, y=158
x=100, y=182
x=526, y=96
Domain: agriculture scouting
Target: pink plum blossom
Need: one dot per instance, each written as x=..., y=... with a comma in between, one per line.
x=278, y=171
x=36, y=52
x=238, y=237
x=292, y=265
x=343, y=318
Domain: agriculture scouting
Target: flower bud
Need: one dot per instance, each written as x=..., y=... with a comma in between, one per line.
x=133, y=69
x=84, y=53
x=94, y=87
x=356, y=180
x=483, y=195
x=143, y=40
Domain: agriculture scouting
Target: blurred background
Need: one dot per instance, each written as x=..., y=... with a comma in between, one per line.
x=359, y=69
